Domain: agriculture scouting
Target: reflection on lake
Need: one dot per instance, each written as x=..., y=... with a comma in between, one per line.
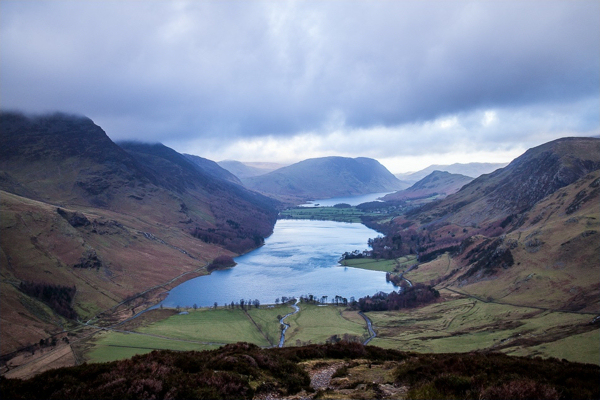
x=352, y=200
x=301, y=257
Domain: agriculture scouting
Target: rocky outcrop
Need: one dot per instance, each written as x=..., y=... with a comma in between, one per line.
x=75, y=218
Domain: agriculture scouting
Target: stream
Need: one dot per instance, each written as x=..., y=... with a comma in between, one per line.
x=286, y=325
x=372, y=333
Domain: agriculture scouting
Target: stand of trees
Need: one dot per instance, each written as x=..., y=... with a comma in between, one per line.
x=58, y=298
x=243, y=304
x=337, y=300
x=408, y=297
x=221, y=262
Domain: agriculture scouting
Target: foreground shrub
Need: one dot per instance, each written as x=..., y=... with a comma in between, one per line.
x=242, y=371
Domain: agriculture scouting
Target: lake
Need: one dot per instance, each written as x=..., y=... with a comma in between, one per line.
x=299, y=258
x=352, y=200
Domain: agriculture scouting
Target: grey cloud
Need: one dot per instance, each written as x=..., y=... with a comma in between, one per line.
x=229, y=69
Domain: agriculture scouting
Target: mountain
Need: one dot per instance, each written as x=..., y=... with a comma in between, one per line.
x=79, y=211
x=472, y=170
x=247, y=170
x=326, y=178
x=525, y=181
x=440, y=183
x=526, y=233
x=213, y=168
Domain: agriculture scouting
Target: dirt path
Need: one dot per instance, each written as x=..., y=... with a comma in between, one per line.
x=321, y=378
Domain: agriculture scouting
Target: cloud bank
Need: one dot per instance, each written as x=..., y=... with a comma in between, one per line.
x=284, y=81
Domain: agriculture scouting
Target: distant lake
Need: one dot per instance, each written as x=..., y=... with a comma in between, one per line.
x=352, y=200
x=299, y=258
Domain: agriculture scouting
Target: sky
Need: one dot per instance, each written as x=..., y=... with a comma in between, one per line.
x=409, y=83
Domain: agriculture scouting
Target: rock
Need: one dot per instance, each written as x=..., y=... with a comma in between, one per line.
x=75, y=218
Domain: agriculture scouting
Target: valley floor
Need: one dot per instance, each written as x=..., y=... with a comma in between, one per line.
x=457, y=322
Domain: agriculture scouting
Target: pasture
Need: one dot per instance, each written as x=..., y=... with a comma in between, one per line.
x=205, y=329
x=466, y=324
x=456, y=324
x=351, y=214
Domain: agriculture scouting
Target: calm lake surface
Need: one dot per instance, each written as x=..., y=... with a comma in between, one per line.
x=352, y=200
x=299, y=258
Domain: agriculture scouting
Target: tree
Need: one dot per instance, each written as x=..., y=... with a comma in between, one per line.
x=195, y=306
x=216, y=305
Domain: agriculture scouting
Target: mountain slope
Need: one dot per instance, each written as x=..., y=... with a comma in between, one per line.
x=79, y=210
x=525, y=234
x=439, y=183
x=516, y=188
x=65, y=158
x=325, y=178
x=213, y=168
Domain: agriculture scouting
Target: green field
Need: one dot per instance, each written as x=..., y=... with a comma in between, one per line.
x=207, y=325
x=464, y=325
x=204, y=329
x=351, y=214
x=267, y=321
x=584, y=347
x=208, y=328
x=458, y=324
x=111, y=346
x=315, y=324
x=397, y=265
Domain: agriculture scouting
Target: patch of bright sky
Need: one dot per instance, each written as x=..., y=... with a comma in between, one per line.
x=448, y=140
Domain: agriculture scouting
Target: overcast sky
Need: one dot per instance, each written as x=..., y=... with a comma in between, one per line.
x=410, y=83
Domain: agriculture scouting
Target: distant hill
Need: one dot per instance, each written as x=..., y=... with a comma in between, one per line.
x=249, y=169
x=537, y=217
x=111, y=221
x=325, y=178
x=472, y=170
x=439, y=183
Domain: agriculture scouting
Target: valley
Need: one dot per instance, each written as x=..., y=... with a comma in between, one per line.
x=125, y=233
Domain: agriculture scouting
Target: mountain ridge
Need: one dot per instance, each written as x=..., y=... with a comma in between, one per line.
x=537, y=214
x=473, y=170
x=326, y=177
x=441, y=183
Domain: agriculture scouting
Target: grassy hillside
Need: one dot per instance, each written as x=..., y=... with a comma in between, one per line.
x=40, y=245
x=120, y=224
